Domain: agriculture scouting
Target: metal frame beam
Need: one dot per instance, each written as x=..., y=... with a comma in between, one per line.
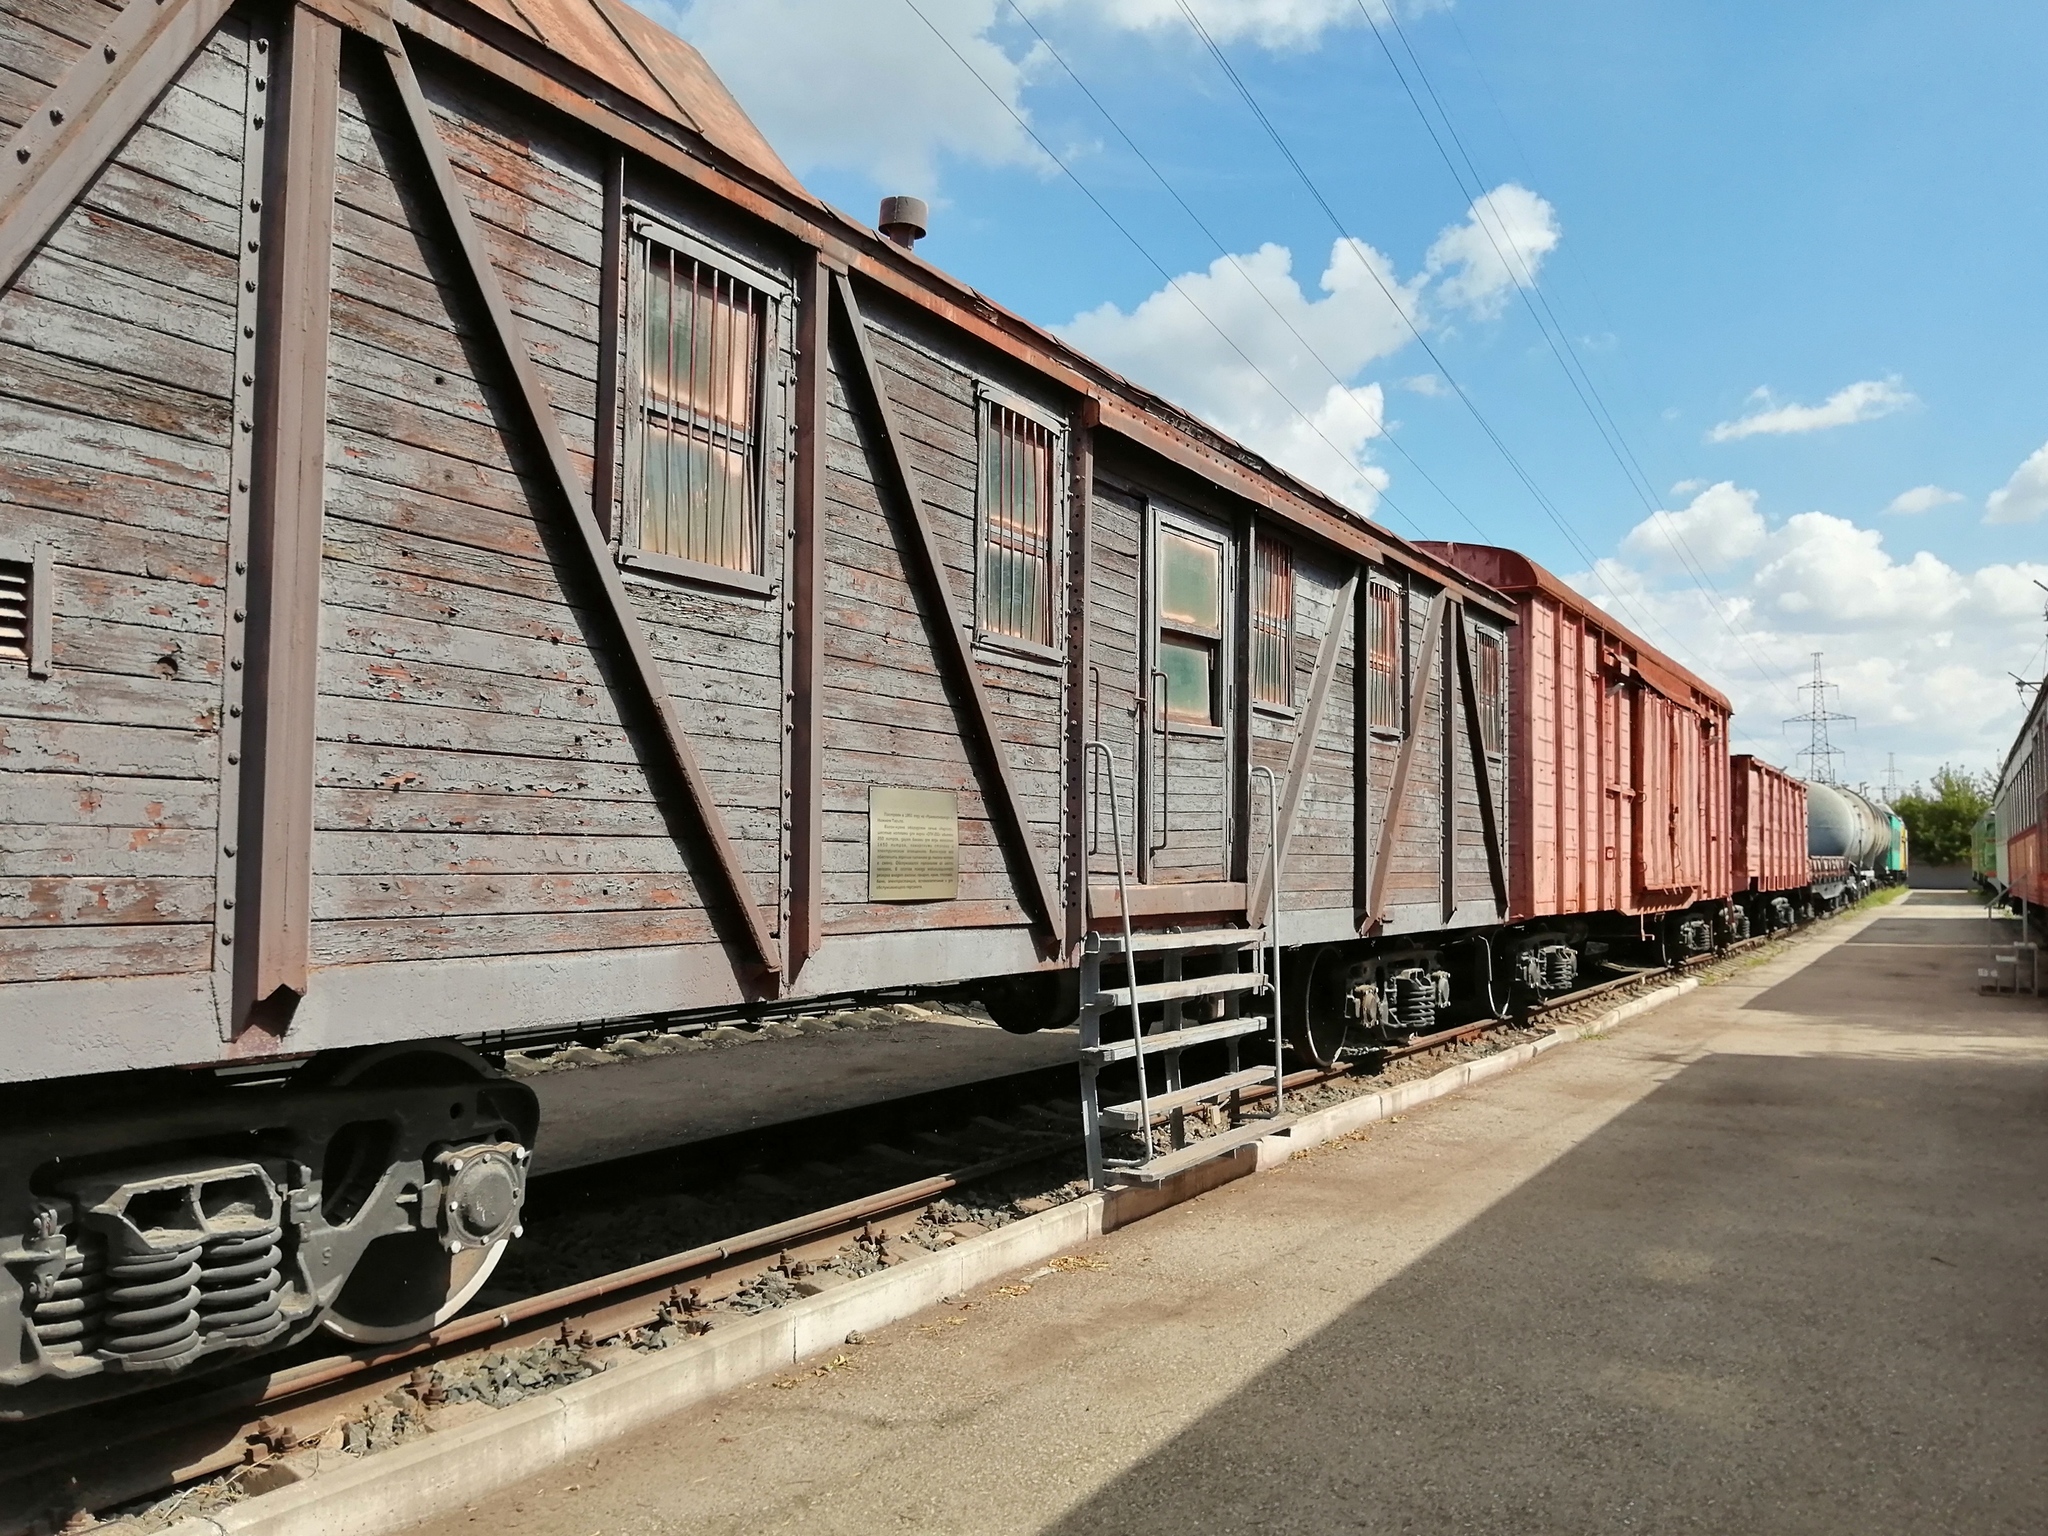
x=1303, y=751
x=806, y=596
x=274, y=882
x=1080, y=763
x=589, y=542
x=929, y=576
x=101, y=100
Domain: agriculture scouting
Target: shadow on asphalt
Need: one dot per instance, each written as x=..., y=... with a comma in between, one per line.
x=1781, y=1293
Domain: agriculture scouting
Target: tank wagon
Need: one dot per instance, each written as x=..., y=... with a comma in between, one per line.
x=2018, y=833
x=1770, y=869
x=1620, y=842
x=1853, y=844
x=486, y=550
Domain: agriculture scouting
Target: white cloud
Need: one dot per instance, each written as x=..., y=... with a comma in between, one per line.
x=1922, y=498
x=1920, y=648
x=1721, y=526
x=2024, y=497
x=1827, y=573
x=1865, y=400
x=1268, y=23
x=1167, y=344
x=866, y=88
x=1364, y=311
x=1499, y=247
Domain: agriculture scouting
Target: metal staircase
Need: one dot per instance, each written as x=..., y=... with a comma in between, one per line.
x=1230, y=999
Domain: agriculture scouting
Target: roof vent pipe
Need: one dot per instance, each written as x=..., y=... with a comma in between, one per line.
x=903, y=219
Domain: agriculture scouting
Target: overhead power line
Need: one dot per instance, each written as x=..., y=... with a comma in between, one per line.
x=1514, y=464
x=1555, y=335
x=1154, y=262
x=1379, y=424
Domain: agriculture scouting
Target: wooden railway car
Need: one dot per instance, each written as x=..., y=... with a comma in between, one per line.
x=485, y=550
x=1621, y=778
x=1767, y=837
x=2019, y=822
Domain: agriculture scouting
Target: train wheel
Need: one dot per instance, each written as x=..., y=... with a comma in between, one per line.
x=407, y=1283
x=1317, y=1025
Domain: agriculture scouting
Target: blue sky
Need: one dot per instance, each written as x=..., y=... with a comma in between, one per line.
x=1818, y=229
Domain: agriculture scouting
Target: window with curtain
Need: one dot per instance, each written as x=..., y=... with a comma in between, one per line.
x=1490, y=662
x=1273, y=625
x=1190, y=624
x=1383, y=626
x=1019, y=485
x=701, y=334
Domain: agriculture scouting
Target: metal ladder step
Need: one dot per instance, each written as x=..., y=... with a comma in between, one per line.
x=1153, y=941
x=1172, y=1039
x=1173, y=991
x=1130, y=1116
x=1196, y=1153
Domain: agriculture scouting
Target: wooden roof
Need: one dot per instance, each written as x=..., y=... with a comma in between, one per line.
x=652, y=65
x=1512, y=572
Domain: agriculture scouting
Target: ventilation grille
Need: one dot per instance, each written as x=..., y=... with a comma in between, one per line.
x=15, y=576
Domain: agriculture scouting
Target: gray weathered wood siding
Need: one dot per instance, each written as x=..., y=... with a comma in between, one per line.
x=488, y=784
x=480, y=790
x=891, y=717
x=1117, y=542
x=116, y=374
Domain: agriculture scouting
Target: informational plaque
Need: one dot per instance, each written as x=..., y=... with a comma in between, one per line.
x=913, y=844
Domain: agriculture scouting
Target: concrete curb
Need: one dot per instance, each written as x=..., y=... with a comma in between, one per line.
x=394, y=1489
x=1327, y=1125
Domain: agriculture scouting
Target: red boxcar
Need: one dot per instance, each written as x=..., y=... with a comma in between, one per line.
x=1767, y=824
x=1620, y=757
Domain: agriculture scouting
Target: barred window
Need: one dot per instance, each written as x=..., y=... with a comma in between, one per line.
x=1273, y=625
x=1019, y=481
x=1490, y=685
x=701, y=337
x=1383, y=624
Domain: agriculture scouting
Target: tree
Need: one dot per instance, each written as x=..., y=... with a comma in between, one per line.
x=1939, y=818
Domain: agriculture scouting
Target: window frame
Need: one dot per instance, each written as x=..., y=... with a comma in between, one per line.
x=1494, y=721
x=1262, y=547
x=1165, y=522
x=1378, y=588
x=987, y=399
x=644, y=232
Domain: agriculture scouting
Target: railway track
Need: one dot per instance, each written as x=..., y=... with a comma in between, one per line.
x=122, y=1454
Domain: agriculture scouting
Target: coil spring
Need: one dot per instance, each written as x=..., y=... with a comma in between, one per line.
x=1560, y=967
x=69, y=1320
x=239, y=1284
x=1414, y=1001
x=152, y=1311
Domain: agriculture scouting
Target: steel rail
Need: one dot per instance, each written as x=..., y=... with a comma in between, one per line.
x=235, y=1407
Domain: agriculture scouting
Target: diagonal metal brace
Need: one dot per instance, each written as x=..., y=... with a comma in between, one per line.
x=52, y=157
x=929, y=574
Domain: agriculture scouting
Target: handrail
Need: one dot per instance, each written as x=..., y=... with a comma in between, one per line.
x=1123, y=901
x=1165, y=759
x=1260, y=770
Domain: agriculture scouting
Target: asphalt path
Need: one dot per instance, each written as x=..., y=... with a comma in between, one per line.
x=1768, y=1259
